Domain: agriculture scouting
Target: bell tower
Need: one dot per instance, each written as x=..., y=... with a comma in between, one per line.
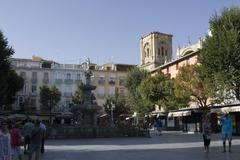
x=155, y=50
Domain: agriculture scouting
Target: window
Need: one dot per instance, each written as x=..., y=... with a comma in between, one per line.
x=23, y=75
x=100, y=91
x=78, y=76
x=147, y=52
x=34, y=89
x=33, y=103
x=121, y=81
x=162, y=51
x=101, y=80
x=111, y=91
x=159, y=52
x=112, y=80
x=59, y=75
x=45, y=75
x=68, y=75
x=34, y=75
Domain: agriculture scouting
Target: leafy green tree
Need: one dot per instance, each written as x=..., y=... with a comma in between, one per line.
x=134, y=99
x=220, y=54
x=10, y=82
x=15, y=83
x=134, y=79
x=192, y=84
x=158, y=89
x=78, y=96
x=49, y=97
x=121, y=106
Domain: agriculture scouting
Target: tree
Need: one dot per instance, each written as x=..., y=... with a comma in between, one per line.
x=78, y=96
x=220, y=54
x=120, y=104
x=132, y=81
x=158, y=89
x=191, y=84
x=49, y=97
x=10, y=82
x=15, y=83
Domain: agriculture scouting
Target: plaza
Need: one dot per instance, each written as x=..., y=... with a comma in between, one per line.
x=169, y=146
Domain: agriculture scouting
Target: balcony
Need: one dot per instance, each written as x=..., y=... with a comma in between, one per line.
x=78, y=82
x=34, y=94
x=111, y=82
x=45, y=80
x=58, y=81
x=34, y=80
x=68, y=81
x=101, y=82
x=100, y=95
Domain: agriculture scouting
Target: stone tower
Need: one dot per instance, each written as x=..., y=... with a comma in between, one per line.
x=155, y=50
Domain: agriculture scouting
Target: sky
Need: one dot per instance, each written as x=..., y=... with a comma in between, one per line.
x=70, y=31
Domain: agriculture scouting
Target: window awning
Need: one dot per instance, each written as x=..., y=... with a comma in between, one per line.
x=226, y=109
x=155, y=113
x=179, y=113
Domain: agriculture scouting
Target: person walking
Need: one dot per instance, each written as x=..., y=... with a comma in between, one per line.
x=27, y=131
x=44, y=129
x=5, y=142
x=36, y=142
x=16, y=141
x=206, y=130
x=159, y=126
x=226, y=122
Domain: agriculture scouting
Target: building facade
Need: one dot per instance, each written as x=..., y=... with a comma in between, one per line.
x=109, y=80
x=155, y=50
x=37, y=72
x=185, y=56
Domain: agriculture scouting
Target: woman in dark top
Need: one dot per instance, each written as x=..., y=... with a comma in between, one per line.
x=206, y=128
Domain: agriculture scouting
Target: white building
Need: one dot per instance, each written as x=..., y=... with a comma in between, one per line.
x=38, y=72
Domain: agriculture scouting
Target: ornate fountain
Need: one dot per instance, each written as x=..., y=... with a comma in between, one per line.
x=89, y=110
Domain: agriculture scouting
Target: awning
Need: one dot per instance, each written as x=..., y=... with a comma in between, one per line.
x=179, y=113
x=158, y=113
x=226, y=109
x=103, y=115
x=17, y=116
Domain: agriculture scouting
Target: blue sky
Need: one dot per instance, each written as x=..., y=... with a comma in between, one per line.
x=69, y=31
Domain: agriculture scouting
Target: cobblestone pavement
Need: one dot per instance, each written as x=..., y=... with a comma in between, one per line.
x=169, y=146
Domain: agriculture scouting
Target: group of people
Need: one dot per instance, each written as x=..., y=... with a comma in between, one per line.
x=13, y=135
x=226, y=131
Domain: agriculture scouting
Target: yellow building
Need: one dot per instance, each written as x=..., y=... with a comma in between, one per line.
x=109, y=79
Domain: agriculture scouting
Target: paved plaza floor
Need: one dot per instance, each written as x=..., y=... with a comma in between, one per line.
x=169, y=146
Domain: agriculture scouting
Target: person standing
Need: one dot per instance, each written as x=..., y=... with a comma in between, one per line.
x=16, y=141
x=27, y=131
x=44, y=129
x=36, y=142
x=226, y=123
x=5, y=142
x=159, y=126
x=206, y=130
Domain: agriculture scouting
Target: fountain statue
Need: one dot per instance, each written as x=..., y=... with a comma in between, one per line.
x=89, y=110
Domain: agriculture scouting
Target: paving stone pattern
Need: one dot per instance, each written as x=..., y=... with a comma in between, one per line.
x=168, y=146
